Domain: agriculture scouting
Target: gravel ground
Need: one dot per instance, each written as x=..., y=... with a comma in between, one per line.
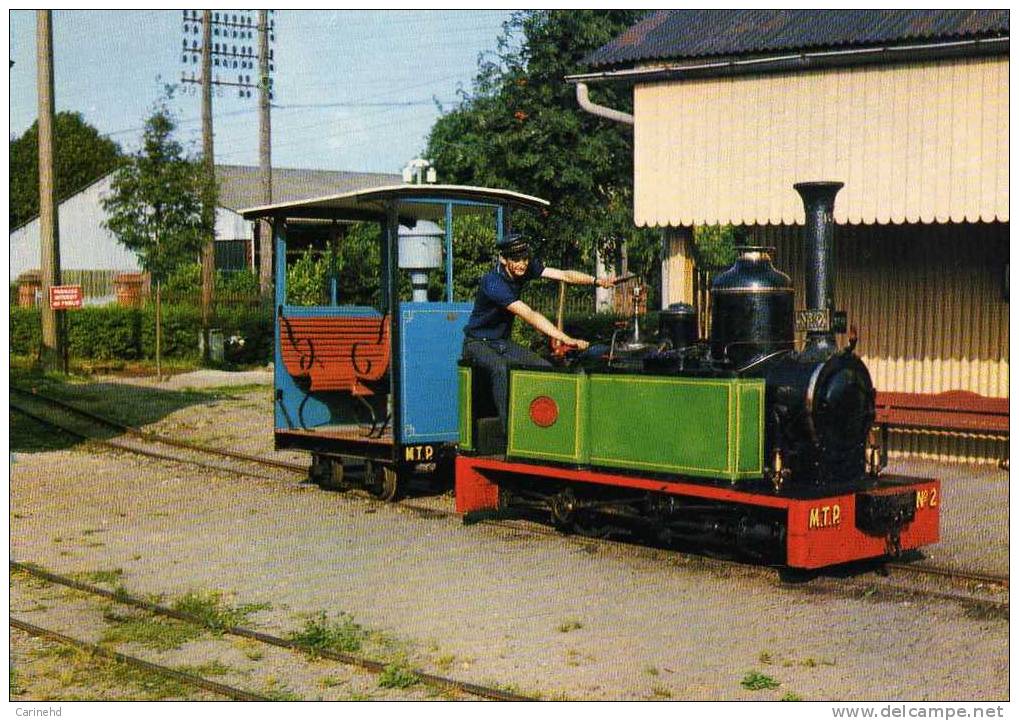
x=543, y=615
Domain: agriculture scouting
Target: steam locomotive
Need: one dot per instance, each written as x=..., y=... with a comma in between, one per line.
x=739, y=441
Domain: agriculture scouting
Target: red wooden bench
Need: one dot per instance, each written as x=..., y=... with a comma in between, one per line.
x=335, y=353
x=958, y=412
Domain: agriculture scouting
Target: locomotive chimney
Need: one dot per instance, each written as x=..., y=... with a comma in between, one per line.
x=819, y=204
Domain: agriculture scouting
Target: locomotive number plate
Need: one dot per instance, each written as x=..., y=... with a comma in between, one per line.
x=418, y=454
x=811, y=321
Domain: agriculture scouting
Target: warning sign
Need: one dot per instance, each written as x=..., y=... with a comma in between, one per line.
x=65, y=296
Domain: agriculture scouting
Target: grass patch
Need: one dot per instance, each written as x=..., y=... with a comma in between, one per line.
x=161, y=634
x=321, y=634
x=108, y=577
x=207, y=670
x=398, y=676
x=755, y=681
x=79, y=675
x=276, y=690
x=570, y=625
x=790, y=696
x=214, y=612
x=445, y=661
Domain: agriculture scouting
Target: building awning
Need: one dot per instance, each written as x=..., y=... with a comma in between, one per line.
x=913, y=143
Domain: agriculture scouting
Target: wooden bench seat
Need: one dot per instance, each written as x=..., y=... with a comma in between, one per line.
x=335, y=353
x=961, y=413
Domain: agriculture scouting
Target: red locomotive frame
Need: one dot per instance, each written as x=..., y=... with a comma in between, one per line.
x=819, y=531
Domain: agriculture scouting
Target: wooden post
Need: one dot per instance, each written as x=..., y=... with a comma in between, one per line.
x=264, y=155
x=208, y=209
x=49, y=231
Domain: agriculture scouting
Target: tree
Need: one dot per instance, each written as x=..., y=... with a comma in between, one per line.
x=520, y=127
x=82, y=156
x=155, y=205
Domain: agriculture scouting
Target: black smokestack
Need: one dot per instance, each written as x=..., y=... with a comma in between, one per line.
x=819, y=204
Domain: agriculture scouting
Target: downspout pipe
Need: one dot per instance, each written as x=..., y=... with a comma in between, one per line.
x=584, y=100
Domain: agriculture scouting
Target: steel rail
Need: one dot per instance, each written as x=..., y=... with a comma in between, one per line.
x=138, y=451
x=157, y=437
x=940, y=571
x=188, y=678
x=268, y=639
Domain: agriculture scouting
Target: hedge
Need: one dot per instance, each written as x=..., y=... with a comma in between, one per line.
x=113, y=332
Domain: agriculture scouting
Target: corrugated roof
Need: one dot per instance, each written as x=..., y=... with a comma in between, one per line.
x=679, y=34
x=240, y=185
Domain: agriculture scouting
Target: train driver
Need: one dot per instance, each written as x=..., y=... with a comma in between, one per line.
x=487, y=341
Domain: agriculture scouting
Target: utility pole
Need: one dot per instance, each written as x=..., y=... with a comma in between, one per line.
x=49, y=231
x=265, y=240
x=226, y=45
x=208, y=211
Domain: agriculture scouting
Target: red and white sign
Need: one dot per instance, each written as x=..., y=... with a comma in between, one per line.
x=65, y=296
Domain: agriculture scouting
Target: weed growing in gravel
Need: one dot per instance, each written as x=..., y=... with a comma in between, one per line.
x=214, y=612
x=660, y=692
x=82, y=676
x=330, y=682
x=107, y=576
x=15, y=687
x=755, y=681
x=276, y=690
x=570, y=625
x=790, y=696
x=651, y=670
x=398, y=676
x=205, y=670
x=159, y=633
x=252, y=650
x=321, y=634
x=445, y=661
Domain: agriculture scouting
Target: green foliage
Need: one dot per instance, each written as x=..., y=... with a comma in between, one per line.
x=117, y=333
x=81, y=156
x=520, y=127
x=473, y=252
x=397, y=676
x=214, y=612
x=715, y=245
x=25, y=331
x=159, y=633
x=755, y=681
x=321, y=634
x=186, y=281
x=308, y=278
x=104, y=333
x=155, y=204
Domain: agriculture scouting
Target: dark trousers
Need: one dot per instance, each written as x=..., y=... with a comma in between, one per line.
x=495, y=357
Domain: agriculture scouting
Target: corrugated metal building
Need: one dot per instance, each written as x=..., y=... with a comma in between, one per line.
x=85, y=245
x=908, y=108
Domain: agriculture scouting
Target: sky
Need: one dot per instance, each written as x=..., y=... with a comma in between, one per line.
x=353, y=89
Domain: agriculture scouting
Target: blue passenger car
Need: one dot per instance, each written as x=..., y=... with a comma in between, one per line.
x=365, y=382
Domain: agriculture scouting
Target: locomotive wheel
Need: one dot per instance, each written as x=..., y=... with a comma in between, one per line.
x=588, y=525
x=327, y=472
x=381, y=480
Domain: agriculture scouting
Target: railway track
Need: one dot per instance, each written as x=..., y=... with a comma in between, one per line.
x=348, y=659
x=190, y=679
x=896, y=570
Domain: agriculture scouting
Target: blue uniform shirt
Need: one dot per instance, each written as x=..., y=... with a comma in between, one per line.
x=490, y=319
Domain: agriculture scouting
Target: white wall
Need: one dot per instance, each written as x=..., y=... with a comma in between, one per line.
x=86, y=245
